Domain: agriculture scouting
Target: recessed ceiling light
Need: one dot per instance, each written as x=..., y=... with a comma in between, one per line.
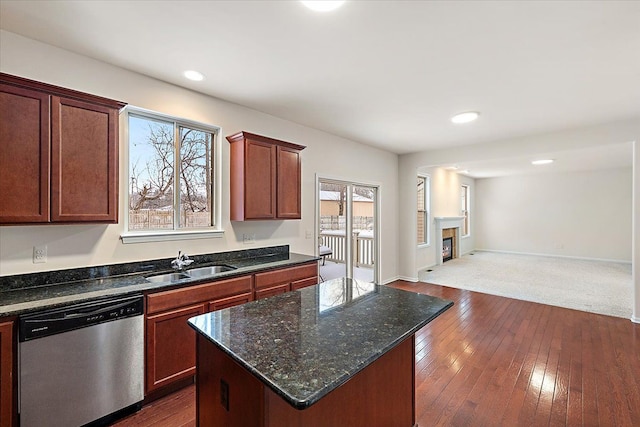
x=323, y=5
x=542, y=162
x=193, y=75
x=465, y=117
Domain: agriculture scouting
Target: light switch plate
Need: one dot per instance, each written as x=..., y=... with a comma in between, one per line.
x=249, y=239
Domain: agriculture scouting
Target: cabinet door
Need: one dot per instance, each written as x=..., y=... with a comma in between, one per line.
x=6, y=374
x=260, y=180
x=84, y=163
x=24, y=155
x=221, y=303
x=288, y=194
x=275, y=290
x=170, y=346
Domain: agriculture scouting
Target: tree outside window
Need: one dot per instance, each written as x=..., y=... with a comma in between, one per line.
x=171, y=175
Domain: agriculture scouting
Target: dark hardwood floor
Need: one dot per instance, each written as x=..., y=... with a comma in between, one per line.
x=497, y=361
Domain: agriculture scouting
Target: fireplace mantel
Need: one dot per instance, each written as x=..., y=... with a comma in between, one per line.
x=443, y=222
x=448, y=222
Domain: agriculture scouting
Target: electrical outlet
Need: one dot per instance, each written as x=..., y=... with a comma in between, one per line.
x=249, y=239
x=308, y=234
x=40, y=254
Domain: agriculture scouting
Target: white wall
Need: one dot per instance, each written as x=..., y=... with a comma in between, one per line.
x=625, y=131
x=72, y=246
x=445, y=202
x=577, y=214
x=636, y=232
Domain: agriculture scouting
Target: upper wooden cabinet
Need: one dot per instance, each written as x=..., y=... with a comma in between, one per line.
x=58, y=154
x=265, y=178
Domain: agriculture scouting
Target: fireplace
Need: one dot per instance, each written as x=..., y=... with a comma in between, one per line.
x=447, y=249
x=447, y=228
x=449, y=243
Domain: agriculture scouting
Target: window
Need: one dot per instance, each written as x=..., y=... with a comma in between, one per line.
x=465, y=209
x=424, y=202
x=171, y=174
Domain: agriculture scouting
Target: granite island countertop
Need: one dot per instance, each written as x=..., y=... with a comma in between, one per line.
x=305, y=344
x=26, y=293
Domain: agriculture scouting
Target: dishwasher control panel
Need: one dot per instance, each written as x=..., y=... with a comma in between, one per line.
x=63, y=319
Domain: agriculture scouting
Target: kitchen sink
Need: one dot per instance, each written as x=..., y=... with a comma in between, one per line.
x=195, y=273
x=169, y=277
x=209, y=271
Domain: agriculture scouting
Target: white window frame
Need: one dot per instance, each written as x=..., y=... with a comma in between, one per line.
x=142, y=236
x=427, y=210
x=466, y=212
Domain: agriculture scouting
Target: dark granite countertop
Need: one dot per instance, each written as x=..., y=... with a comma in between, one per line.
x=26, y=293
x=305, y=344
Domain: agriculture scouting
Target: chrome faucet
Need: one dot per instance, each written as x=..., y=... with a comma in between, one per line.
x=181, y=261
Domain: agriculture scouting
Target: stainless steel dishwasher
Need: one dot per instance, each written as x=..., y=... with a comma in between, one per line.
x=81, y=364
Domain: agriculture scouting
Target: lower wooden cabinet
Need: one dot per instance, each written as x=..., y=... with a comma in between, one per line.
x=303, y=283
x=171, y=347
x=274, y=290
x=7, y=381
x=283, y=280
x=221, y=303
x=170, y=342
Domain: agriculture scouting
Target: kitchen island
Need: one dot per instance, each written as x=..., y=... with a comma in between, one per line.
x=338, y=353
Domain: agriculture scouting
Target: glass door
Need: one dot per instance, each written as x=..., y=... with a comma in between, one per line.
x=347, y=230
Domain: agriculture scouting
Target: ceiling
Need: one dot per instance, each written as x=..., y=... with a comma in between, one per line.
x=389, y=74
x=610, y=156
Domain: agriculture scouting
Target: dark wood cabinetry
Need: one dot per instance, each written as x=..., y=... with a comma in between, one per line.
x=170, y=342
x=265, y=178
x=220, y=303
x=58, y=154
x=7, y=380
x=275, y=282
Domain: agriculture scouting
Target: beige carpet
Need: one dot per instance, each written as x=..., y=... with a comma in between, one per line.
x=594, y=286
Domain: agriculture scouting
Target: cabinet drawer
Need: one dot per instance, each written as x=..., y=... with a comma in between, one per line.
x=275, y=290
x=299, y=284
x=194, y=294
x=227, y=302
x=286, y=275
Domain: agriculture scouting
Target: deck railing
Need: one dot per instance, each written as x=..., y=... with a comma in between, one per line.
x=363, y=255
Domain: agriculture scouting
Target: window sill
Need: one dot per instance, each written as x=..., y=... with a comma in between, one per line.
x=424, y=245
x=466, y=236
x=162, y=236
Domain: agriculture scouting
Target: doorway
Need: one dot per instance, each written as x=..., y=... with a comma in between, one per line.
x=347, y=227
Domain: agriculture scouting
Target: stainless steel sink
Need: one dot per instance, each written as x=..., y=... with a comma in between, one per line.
x=209, y=271
x=195, y=273
x=168, y=277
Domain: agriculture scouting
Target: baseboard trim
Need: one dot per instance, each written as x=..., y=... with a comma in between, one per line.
x=427, y=267
x=635, y=319
x=406, y=278
x=554, y=256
